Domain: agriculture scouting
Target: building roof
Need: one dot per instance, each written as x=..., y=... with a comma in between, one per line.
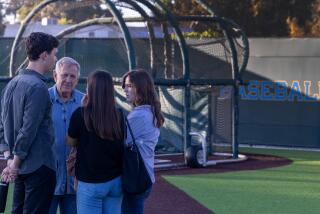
x=94, y=31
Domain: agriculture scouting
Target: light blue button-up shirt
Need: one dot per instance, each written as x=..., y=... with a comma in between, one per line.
x=61, y=114
x=146, y=135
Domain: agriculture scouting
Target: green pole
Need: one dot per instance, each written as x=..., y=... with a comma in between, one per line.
x=185, y=60
x=235, y=111
x=151, y=32
x=127, y=37
x=114, y=12
x=21, y=30
x=186, y=73
x=235, y=75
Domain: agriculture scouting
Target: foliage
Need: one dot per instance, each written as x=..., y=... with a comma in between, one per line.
x=261, y=18
x=184, y=7
x=315, y=23
x=203, y=34
x=67, y=11
x=258, y=18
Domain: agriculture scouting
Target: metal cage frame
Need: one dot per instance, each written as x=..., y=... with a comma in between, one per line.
x=230, y=30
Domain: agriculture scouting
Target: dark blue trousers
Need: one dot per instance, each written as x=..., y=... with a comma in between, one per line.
x=33, y=192
x=134, y=204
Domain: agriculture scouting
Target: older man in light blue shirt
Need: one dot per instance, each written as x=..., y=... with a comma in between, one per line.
x=65, y=99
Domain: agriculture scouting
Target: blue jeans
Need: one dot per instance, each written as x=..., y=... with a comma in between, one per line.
x=67, y=204
x=134, y=204
x=97, y=198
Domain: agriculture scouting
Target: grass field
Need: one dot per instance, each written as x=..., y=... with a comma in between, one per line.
x=9, y=200
x=292, y=189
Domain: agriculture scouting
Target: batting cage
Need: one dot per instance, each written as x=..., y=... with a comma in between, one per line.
x=196, y=62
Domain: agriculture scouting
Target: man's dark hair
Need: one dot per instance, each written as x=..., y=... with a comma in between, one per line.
x=39, y=42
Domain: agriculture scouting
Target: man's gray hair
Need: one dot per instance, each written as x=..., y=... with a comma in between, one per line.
x=68, y=61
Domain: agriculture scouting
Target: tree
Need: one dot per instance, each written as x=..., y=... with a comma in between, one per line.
x=314, y=25
x=278, y=18
x=68, y=11
x=186, y=7
x=258, y=18
x=262, y=18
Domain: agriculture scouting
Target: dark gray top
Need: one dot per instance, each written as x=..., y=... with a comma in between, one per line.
x=25, y=122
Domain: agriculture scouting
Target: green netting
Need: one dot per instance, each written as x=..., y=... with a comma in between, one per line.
x=5, y=47
x=172, y=107
x=210, y=107
x=109, y=54
x=98, y=53
x=210, y=58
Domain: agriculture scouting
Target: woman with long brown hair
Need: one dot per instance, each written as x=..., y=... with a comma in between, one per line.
x=96, y=130
x=145, y=120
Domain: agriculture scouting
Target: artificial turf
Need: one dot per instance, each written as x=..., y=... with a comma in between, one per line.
x=292, y=189
x=9, y=200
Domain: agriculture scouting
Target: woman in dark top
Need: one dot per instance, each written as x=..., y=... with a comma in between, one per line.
x=97, y=132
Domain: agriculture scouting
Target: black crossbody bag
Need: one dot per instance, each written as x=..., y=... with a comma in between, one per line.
x=135, y=177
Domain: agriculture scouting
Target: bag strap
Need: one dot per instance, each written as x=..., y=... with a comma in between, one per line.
x=126, y=124
x=130, y=130
x=123, y=123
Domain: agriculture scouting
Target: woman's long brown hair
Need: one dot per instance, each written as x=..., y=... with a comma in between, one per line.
x=145, y=93
x=100, y=113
